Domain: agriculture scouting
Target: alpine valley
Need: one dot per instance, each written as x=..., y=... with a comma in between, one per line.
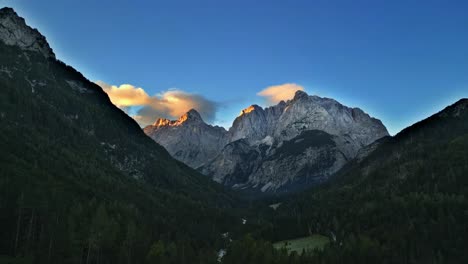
x=82, y=182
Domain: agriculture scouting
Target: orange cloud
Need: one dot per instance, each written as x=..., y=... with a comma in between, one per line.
x=170, y=104
x=125, y=94
x=277, y=93
x=178, y=102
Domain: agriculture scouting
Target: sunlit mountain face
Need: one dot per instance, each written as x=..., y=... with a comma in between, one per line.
x=191, y=115
x=163, y=169
x=248, y=110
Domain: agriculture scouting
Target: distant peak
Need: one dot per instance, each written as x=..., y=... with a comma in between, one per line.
x=250, y=109
x=15, y=32
x=191, y=115
x=162, y=122
x=300, y=94
x=7, y=10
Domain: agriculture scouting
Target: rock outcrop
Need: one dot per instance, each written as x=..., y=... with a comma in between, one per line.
x=15, y=32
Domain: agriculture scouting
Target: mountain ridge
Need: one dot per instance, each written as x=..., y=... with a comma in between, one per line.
x=79, y=178
x=261, y=133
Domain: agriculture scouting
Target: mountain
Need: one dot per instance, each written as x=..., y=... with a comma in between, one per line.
x=285, y=147
x=288, y=120
x=189, y=139
x=403, y=202
x=80, y=181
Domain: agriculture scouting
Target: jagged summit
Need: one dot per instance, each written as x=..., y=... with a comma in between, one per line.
x=300, y=94
x=162, y=122
x=250, y=109
x=192, y=116
x=7, y=10
x=15, y=32
x=189, y=138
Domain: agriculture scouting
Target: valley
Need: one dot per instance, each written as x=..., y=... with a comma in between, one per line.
x=306, y=180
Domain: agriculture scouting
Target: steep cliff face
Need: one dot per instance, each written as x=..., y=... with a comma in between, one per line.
x=303, y=113
x=291, y=165
x=283, y=147
x=188, y=139
x=312, y=112
x=15, y=32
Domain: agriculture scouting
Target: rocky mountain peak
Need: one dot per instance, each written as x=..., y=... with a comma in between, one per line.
x=161, y=122
x=8, y=10
x=188, y=139
x=300, y=94
x=250, y=109
x=192, y=114
x=15, y=32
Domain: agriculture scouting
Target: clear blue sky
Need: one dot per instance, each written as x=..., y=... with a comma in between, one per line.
x=400, y=61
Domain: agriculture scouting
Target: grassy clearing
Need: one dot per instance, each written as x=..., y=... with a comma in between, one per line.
x=308, y=243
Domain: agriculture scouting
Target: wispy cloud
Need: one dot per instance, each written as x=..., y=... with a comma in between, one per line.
x=169, y=104
x=275, y=94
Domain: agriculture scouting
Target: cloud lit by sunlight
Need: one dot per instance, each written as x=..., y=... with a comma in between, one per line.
x=275, y=94
x=170, y=104
x=125, y=94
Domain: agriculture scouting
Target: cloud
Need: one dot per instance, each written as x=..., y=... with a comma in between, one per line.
x=125, y=95
x=277, y=93
x=169, y=104
x=177, y=103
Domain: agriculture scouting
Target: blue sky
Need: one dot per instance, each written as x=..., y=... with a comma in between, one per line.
x=400, y=61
